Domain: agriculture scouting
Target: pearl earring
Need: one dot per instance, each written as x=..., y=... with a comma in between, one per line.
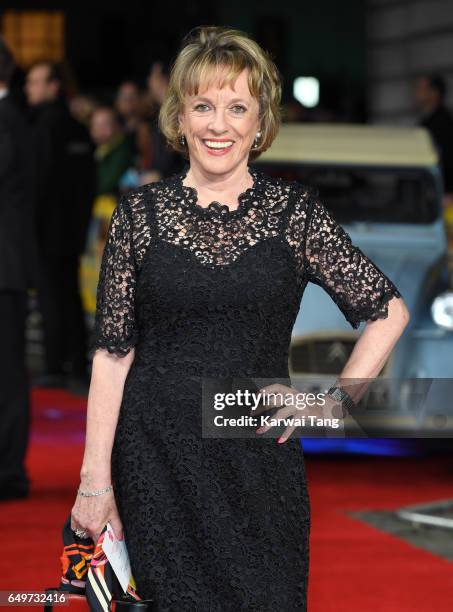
x=255, y=142
x=183, y=140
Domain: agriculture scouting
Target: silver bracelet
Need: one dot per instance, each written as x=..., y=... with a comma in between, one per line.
x=92, y=493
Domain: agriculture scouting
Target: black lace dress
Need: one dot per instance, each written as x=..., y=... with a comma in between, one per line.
x=216, y=525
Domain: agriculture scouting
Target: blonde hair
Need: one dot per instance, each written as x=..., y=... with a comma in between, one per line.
x=206, y=49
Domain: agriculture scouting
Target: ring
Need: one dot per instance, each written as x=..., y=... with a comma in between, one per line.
x=81, y=533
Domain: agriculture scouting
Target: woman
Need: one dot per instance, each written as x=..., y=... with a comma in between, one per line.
x=202, y=276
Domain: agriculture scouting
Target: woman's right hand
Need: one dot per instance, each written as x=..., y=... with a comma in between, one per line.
x=94, y=512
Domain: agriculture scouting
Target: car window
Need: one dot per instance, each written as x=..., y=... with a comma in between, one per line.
x=377, y=195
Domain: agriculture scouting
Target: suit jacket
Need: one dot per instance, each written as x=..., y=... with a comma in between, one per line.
x=17, y=238
x=440, y=125
x=64, y=179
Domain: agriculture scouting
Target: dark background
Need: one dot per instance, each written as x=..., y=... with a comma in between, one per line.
x=109, y=41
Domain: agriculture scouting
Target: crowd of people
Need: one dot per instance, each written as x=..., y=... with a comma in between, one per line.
x=129, y=148
x=83, y=148
x=57, y=156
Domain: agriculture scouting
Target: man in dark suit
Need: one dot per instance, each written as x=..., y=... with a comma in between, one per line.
x=17, y=275
x=430, y=93
x=64, y=174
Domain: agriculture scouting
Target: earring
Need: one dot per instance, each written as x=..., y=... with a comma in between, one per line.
x=183, y=140
x=255, y=142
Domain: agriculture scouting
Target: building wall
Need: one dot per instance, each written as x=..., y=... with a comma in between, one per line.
x=406, y=38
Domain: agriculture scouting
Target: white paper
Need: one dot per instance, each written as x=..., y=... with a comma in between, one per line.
x=117, y=554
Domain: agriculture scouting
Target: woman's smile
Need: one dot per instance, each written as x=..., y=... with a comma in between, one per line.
x=217, y=146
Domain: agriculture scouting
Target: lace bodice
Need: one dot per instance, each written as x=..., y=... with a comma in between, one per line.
x=272, y=212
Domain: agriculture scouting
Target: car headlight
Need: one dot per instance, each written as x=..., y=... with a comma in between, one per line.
x=442, y=310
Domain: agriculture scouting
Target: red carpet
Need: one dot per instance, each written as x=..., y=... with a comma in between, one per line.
x=354, y=567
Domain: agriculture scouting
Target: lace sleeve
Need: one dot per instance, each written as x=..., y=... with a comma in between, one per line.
x=333, y=262
x=115, y=321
